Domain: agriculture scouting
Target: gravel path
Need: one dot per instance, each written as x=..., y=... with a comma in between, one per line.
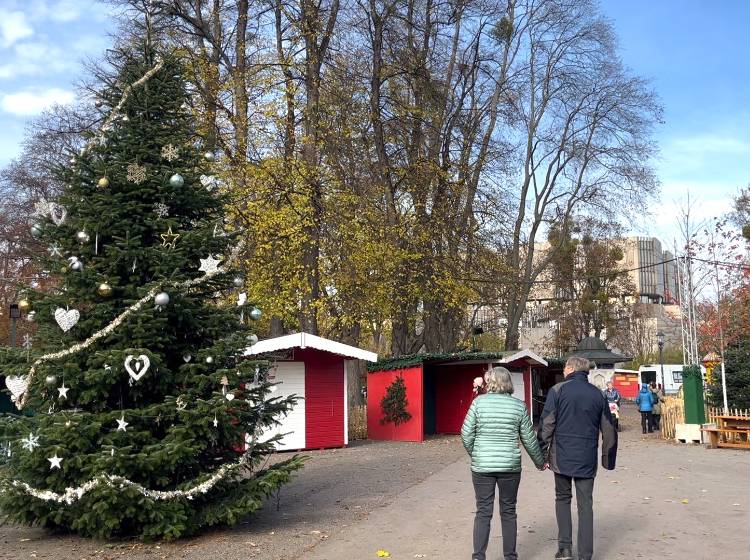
x=335, y=489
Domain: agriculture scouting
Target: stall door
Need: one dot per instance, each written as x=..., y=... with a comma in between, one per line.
x=453, y=397
x=290, y=377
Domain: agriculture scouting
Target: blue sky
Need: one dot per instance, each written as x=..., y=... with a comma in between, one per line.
x=696, y=53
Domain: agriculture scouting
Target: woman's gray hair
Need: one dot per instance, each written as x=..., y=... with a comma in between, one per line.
x=498, y=380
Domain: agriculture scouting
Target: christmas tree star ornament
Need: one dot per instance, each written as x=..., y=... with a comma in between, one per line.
x=216, y=422
x=54, y=251
x=170, y=153
x=136, y=173
x=169, y=239
x=63, y=391
x=122, y=425
x=54, y=462
x=30, y=442
x=209, y=265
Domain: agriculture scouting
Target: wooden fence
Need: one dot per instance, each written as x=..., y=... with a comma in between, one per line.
x=673, y=412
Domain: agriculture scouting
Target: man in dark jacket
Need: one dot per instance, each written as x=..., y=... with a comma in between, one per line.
x=574, y=414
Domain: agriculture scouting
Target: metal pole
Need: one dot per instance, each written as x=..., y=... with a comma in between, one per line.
x=661, y=364
x=13, y=332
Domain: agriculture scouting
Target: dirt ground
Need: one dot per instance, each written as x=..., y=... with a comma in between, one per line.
x=416, y=501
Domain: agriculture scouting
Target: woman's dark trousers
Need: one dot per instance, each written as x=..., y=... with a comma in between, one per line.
x=647, y=422
x=484, y=489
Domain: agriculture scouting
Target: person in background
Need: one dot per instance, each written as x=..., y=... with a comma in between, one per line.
x=612, y=394
x=645, y=402
x=658, y=397
x=491, y=432
x=478, y=386
x=574, y=415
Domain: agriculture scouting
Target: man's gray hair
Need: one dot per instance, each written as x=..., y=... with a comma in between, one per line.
x=578, y=363
x=498, y=380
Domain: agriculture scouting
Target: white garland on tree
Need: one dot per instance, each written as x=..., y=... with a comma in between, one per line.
x=115, y=481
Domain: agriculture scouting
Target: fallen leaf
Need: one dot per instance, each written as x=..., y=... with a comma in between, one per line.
x=383, y=554
x=685, y=501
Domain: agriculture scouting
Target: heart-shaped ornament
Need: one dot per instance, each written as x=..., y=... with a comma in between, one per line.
x=66, y=318
x=229, y=396
x=57, y=213
x=186, y=358
x=17, y=385
x=137, y=366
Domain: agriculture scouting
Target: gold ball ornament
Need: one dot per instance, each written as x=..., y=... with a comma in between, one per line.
x=104, y=289
x=103, y=183
x=24, y=306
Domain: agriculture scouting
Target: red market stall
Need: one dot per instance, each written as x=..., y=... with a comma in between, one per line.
x=439, y=389
x=313, y=368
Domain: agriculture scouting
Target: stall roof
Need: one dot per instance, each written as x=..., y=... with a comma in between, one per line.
x=410, y=360
x=306, y=340
x=596, y=350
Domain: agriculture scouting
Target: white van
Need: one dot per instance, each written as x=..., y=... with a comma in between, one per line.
x=672, y=376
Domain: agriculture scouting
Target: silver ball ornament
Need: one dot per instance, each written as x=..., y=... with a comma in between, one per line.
x=36, y=230
x=50, y=381
x=238, y=281
x=125, y=118
x=162, y=299
x=176, y=180
x=209, y=359
x=76, y=265
x=252, y=339
x=255, y=313
x=98, y=103
x=209, y=156
x=82, y=237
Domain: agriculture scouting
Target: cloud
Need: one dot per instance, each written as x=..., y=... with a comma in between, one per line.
x=13, y=27
x=38, y=58
x=31, y=102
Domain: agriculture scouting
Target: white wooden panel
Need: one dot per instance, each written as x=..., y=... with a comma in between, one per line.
x=290, y=377
x=519, y=387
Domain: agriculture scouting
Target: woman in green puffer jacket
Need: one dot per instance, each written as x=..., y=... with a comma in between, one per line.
x=493, y=427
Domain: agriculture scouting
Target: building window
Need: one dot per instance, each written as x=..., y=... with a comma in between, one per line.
x=677, y=376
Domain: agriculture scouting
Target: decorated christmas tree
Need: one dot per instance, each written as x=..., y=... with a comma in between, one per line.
x=139, y=415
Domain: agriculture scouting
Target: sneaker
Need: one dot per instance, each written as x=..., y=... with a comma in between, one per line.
x=564, y=554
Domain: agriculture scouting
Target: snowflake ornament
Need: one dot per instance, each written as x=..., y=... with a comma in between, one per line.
x=170, y=153
x=28, y=341
x=136, y=173
x=30, y=442
x=161, y=210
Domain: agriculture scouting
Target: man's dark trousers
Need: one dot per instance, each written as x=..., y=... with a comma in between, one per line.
x=585, y=502
x=484, y=487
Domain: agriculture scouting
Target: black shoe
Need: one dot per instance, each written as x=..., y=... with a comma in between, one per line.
x=564, y=554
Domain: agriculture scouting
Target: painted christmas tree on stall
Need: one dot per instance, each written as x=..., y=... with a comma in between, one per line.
x=140, y=417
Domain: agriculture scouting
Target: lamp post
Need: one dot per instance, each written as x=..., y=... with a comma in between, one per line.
x=660, y=343
x=15, y=313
